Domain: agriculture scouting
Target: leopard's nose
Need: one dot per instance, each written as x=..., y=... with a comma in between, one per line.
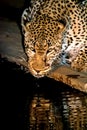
x=38, y=67
x=37, y=70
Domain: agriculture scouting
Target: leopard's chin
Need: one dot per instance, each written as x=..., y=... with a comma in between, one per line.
x=39, y=74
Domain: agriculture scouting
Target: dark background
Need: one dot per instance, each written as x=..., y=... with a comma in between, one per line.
x=13, y=9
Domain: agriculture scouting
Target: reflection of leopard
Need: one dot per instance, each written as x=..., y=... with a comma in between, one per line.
x=75, y=110
x=55, y=33
x=66, y=112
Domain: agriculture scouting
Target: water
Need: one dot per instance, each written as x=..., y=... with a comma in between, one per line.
x=58, y=110
x=40, y=104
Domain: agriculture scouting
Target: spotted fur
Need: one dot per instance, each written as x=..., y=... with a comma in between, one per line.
x=55, y=33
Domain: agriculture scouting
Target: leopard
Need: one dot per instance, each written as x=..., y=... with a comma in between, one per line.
x=55, y=34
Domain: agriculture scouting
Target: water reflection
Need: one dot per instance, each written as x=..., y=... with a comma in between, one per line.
x=66, y=110
x=75, y=110
x=42, y=115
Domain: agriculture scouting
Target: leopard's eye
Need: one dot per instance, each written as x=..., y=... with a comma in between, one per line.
x=32, y=48
x=32, y=45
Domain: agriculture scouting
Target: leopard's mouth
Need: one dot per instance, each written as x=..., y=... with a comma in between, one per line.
x=38, y=68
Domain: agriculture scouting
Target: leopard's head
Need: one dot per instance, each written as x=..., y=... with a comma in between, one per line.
x=42, y=42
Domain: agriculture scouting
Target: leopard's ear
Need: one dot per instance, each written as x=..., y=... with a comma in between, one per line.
x=25, y=18
x=34, y=2
x=61, y=27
